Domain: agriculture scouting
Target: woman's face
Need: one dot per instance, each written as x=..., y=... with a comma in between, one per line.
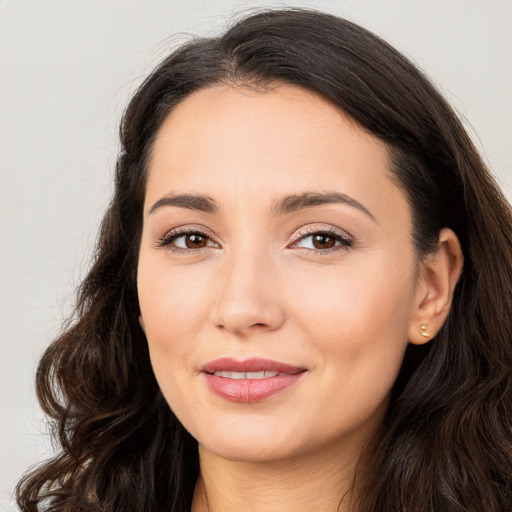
x=277, y=278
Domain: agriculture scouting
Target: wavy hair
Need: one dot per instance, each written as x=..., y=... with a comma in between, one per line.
x=446, y=443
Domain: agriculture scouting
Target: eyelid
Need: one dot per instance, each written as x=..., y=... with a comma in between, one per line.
x=339, y=235
x=166, y=240
x=347, y=241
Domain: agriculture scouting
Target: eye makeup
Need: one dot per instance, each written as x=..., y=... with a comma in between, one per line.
x=319, y=240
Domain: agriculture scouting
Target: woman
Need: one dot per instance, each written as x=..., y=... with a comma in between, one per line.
x=300, y=297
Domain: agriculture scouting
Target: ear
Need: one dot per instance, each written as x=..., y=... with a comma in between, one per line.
x=437, y=277
x=142, y=325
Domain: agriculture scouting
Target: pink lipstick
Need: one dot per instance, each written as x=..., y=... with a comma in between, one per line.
x=251, y=380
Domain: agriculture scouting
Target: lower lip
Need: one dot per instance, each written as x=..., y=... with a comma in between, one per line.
x=251, y=390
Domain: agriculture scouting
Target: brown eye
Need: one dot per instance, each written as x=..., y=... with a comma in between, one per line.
x=195, y=241
x=188, y=240
x=322, y=241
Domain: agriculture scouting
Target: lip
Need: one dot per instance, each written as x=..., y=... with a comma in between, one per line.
x=255, y=364
x=250, y=390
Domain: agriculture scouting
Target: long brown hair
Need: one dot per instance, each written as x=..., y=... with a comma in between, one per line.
x=446, y=443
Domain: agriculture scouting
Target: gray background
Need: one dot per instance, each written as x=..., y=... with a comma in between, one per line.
x=67, y=68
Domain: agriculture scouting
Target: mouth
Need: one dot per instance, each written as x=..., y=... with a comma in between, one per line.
x=252, y=380
x=245, y=375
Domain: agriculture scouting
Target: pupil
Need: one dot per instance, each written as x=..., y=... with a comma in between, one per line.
x=195, y=241
x=323, y=242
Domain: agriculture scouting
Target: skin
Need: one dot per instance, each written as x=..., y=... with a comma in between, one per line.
x=254, y=286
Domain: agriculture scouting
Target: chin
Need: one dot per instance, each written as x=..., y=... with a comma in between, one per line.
x=250, y=443
x=249, y=451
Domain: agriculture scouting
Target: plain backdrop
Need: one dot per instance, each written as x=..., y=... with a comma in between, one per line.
x=67, y=68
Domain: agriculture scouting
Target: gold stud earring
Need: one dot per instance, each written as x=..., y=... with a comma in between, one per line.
x=424, y=331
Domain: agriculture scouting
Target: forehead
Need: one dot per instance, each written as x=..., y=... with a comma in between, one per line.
x=228, y=142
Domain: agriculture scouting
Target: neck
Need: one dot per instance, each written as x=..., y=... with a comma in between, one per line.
x=321, y=482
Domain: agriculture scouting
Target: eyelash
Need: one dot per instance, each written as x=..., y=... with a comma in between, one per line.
x=345, y=242
x=171, y=236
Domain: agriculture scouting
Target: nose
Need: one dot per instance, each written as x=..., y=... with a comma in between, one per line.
x=249, y=297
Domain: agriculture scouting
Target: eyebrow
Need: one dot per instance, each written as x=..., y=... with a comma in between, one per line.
x=294, y=202
x=190, y=201
x=288, y=204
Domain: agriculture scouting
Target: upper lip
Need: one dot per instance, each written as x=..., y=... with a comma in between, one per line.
x=249, y=365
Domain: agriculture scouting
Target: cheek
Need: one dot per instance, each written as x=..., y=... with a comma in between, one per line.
x=358, y=326
x=358, y=318
x=174, y=305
